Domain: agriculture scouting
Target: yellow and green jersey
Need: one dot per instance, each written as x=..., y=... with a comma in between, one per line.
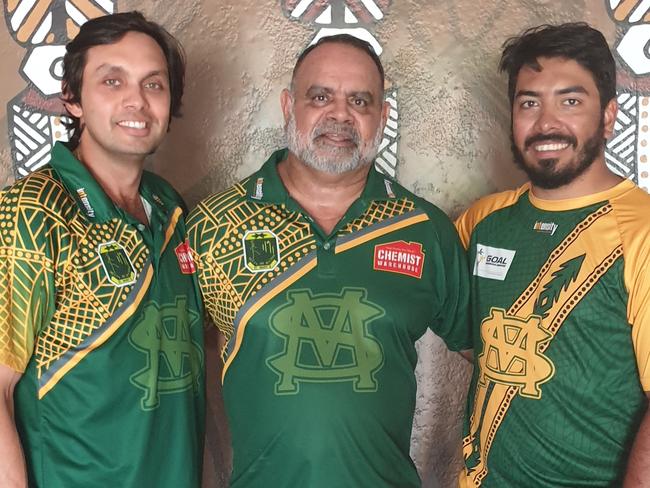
x=102, y=317
x=561, y=313
x=318, y=379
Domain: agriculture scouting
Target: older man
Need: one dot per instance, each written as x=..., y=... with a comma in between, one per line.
x=321, y=273
x=101, y=319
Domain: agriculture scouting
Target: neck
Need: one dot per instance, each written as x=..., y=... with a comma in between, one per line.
x=120, y=179
x=324, y=196
x=595, y=179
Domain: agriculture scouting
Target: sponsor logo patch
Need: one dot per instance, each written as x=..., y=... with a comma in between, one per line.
x=184, y=255
x=399, y=257
x=259, y=189
x=545, y=227
x=492, y=262
x=261, y=250
x=90, y=211
x=116, y=263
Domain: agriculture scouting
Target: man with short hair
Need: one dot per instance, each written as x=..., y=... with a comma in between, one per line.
x=101, y=331
x=322, y=273
x=560, y=283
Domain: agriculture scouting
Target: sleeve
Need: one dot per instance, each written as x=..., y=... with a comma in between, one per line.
x=637, y=277
x=452, y=322
x=27, y=276
x=203, y=232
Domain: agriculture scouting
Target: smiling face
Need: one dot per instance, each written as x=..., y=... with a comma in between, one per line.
x=125, y=100
x=558, y=125
x=335, y=115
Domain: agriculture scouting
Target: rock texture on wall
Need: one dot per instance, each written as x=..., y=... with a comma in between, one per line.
x=454, y=137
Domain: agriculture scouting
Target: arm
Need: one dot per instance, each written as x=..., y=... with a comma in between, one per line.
x=638, y=468
x=12, y=462
x=468, y=355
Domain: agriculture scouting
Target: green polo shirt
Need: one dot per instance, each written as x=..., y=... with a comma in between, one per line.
x=319, y=381
x=102, y=317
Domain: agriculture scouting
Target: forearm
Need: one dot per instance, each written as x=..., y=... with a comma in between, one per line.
x=12, y=462
x=638, y=468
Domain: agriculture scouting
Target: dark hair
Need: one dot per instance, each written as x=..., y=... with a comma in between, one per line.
x=576, y=41
x=109, y=29
x=347, y=40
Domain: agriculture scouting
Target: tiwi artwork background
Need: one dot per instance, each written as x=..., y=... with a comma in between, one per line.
x=447, y=137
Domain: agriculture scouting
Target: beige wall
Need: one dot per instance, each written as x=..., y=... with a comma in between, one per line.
x=453, y=115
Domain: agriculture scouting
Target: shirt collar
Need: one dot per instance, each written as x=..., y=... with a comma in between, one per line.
x=266, y=186
x=89, y=195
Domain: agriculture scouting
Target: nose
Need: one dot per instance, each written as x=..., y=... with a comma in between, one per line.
x=547, y=120
x=133, y=97
x=339, y=111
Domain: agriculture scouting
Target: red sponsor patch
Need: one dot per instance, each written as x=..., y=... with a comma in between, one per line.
x=400, y=257
x=185, y=260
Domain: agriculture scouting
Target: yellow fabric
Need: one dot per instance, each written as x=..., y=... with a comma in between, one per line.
x=470, y=218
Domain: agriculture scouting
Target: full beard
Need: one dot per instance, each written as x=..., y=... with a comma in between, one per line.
x=331, y=159
x=547, y=175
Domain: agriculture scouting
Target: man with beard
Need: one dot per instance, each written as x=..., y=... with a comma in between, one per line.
x=321, y=273
x=560, y=285
x=101, y=332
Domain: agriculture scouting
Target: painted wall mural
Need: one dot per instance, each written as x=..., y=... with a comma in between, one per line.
x=42, y=28
x=357, y=18
x=628, y=150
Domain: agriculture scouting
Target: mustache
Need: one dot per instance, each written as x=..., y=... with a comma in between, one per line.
x=337, y=129
x=552, y=137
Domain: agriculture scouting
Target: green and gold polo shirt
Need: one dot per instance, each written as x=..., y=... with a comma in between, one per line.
x=319, y=381
x=102, y=316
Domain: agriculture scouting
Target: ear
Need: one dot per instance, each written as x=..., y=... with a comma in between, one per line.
x=385, y=110
x=286, y=102
x=74, y=109
x=609, y=117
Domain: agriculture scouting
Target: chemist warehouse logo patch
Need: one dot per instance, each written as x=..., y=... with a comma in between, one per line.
x=400, y=257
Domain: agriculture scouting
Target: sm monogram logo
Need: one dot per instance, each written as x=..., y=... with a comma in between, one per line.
x=326, y=339
x=511, y=353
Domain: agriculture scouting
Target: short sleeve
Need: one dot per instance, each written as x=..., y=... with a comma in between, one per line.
x=452, y=322
x=27, y=275
x=203, y=232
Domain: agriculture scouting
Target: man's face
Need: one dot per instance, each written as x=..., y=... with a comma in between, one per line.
x=558, y=126
x=125, y=99
x=334, y=118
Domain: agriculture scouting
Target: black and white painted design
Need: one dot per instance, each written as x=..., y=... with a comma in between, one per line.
x=34, y=116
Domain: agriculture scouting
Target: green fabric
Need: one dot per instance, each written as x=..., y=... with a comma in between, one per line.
x=113, y=390
x=577, y=429
x=320, y=390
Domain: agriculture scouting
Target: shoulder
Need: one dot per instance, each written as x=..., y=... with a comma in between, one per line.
x=483, y=208
x=40, y=191
x=218, y=205
x=631, y=210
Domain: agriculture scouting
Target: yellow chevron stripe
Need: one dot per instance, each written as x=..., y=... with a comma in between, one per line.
x=126, y=314
x=380, y=232
x=74, y=360
x=170, y=229
x=254, y=309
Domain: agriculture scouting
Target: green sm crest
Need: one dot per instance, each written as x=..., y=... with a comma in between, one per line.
x=173, y=361
x=326, y=339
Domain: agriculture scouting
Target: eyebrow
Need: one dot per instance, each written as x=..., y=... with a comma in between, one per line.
x=562, y=91
x=317, y=89
x=110, y=68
